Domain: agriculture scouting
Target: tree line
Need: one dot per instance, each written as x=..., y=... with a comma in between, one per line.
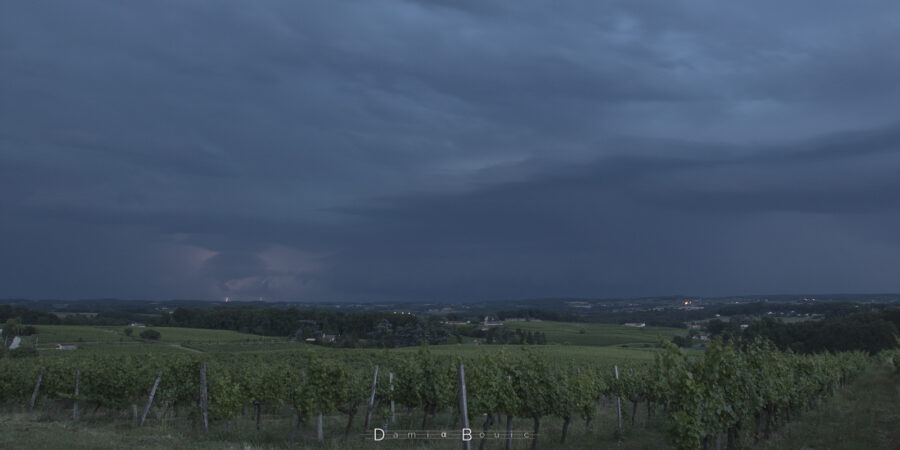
x=350, y=329
x=868, y=331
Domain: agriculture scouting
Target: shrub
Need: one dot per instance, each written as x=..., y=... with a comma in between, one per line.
x=23, y=352
x=151, y=335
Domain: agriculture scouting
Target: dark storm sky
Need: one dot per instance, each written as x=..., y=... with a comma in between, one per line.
x=448, y=150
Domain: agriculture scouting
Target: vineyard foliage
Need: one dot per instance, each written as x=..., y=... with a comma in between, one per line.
x=731, y=389
x=725, y=389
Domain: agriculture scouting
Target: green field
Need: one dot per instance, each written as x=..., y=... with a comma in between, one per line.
x=63, y=315
x=602, y=344
x=86, y=335
x=54, y=334
x=114, y=349
x=568, y=333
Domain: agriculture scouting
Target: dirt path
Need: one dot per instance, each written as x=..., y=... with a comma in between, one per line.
x=185, y=348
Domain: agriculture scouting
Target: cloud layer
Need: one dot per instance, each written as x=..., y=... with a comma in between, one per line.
x=430, y=150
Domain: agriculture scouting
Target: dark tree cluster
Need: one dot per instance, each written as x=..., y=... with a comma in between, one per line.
x=410, y=333
x=107, y=318
x=504, y=335
x=151, y=335
x=866, y=331
x=826, y=309
x=726, y=330
x=28, y=316
x=677, y=317
x=103, y=318
x=870, y=332
x=375, y=329
x=536, y=313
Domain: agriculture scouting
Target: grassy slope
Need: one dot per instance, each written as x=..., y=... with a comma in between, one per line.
x=596, y=345
x=52, y=334
x=557, y=333
x=865, y=416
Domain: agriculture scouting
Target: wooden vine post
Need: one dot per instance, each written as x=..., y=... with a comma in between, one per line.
x=150, y=399
x=618, y=399
x=299, y=415
x=203, y=398
x=463, y=406
x=391, y=381
x=509, y=423
x=371, y=405
x=75, y=406
x=37, y=385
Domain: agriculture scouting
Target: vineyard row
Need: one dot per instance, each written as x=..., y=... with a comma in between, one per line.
x=721, y=391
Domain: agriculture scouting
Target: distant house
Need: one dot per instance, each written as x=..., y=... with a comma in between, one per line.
x=489, y=323
x=585, y=305
x=636, y=325
x=310, y=340
x=137, y=324
x=328, y=338
x=66, y=347
x=690, y=308
x=456, y=322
